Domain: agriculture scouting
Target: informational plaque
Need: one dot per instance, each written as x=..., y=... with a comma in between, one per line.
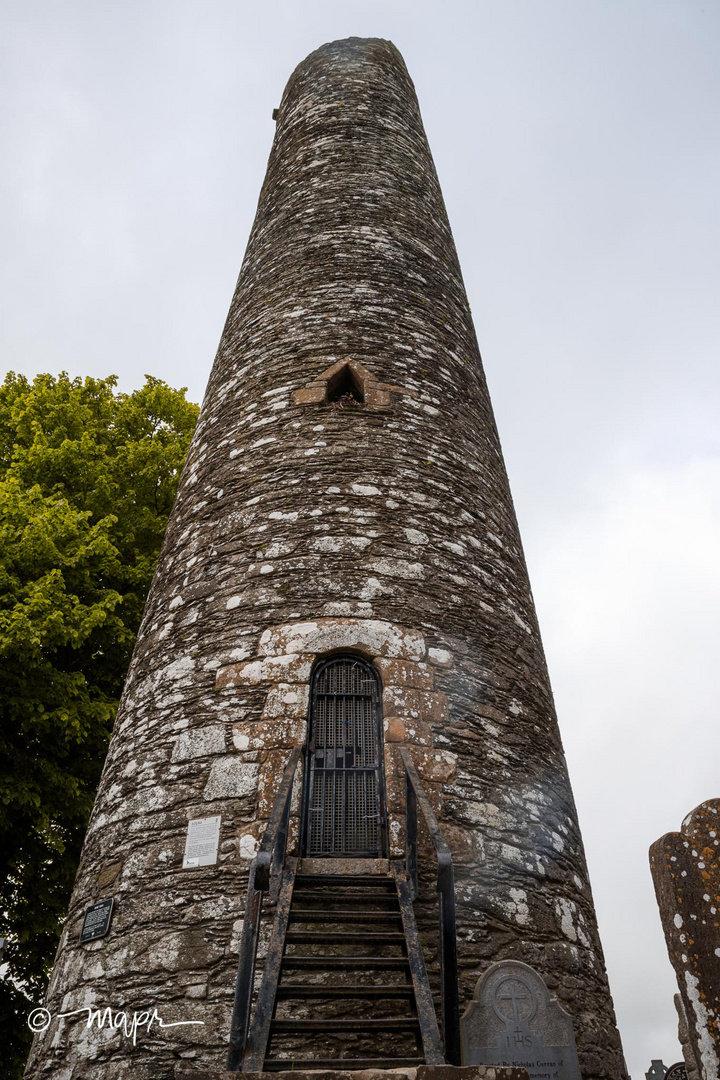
x=97, y=920
x=201, y=846
x=513, y=1021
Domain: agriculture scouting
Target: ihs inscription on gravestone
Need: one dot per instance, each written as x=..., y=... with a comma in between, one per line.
x=513, y=1021
x=97, y=921
x=201, y=845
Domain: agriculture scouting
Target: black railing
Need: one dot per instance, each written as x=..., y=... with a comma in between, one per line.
x=265, y=877
x=415, y=796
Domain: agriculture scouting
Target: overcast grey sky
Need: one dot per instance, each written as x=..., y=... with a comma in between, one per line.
x=577, y=147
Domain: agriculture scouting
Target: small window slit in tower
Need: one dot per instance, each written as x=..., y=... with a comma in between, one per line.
x=344, y=388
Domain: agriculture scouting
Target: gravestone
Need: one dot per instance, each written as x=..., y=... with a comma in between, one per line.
x=686, y=871
x=656, y=1071
x=512, y=1020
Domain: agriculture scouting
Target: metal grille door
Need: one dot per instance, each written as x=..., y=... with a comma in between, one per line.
x=345, y=793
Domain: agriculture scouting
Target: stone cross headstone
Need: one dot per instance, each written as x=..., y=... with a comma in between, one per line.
x=512, y=1020
x=656, y=1071
x=686, y=871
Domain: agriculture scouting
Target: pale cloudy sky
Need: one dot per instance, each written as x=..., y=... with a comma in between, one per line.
x=577, y=147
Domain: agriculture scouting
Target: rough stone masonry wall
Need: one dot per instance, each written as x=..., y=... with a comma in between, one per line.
x=391, y=514
x=414, y=715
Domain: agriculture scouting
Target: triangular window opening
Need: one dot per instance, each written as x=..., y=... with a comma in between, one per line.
x=344, y=386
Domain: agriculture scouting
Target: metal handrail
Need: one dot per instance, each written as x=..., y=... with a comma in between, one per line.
x=265, y=877
x=414, y=796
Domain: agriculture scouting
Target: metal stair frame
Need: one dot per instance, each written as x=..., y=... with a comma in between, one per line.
x=274, y=873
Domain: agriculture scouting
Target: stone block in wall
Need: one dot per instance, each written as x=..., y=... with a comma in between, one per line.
x=174, y=951
x=268, y=781
x=270, y=734
x=438, y=766
x=230, y=777
x=377, y=398
x=286, y=700
x=395, y=776
x=199, y=742
x=293, y=841
x=395, y=793
x=417, y=676
x=441, y=658
x=432, y=708
x=393, y=762
x=108, y=874
x=396, y=835
x=287, y=668
x=418, y=733
x=394, y=728
x=249, y=835
x=373, y=637
x=461, y=843
x=410, y=732
x=311, y=395
x=434, y=795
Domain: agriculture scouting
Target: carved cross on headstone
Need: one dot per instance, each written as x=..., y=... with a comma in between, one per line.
x=513, y=1021
x=513, y=996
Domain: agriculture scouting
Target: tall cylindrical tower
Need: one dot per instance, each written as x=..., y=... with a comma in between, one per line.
x=344, y=495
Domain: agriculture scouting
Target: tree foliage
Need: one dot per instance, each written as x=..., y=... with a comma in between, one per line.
x=87, y=480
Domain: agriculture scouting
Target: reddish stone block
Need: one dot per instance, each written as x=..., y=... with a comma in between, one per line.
x=461, y=843
x=439, y=766
x=404, y=673
x=377, y=398
x=394, y=765
x=394, y=729
x=311, y=395
x=418, y=734
x=416, y=705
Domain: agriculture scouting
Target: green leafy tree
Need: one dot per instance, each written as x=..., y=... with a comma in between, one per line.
x=87, y=480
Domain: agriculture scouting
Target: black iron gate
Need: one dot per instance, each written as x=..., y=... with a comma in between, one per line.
x=344, y=791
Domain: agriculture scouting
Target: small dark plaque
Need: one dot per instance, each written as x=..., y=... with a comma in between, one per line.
x=97, y=920
x=677, y=1072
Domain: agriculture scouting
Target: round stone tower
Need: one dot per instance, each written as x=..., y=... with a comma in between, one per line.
x=344, y=496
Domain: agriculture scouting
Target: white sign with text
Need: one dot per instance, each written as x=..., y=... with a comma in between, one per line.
x=201, y=845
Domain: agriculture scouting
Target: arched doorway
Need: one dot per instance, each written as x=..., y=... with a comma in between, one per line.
x=344, y=788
